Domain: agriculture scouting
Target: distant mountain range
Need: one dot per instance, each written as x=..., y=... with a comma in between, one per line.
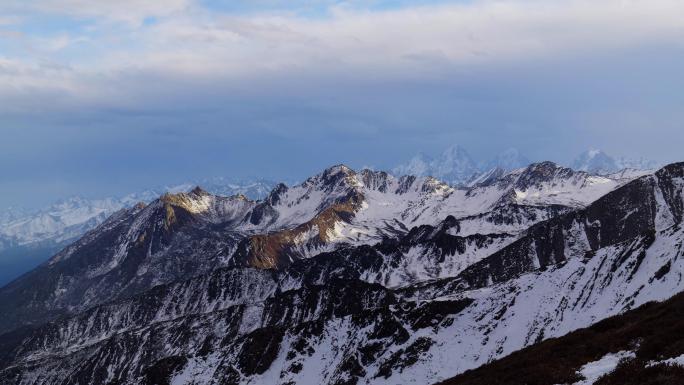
x=598, y=162
x=28, y=237
x=456, y=167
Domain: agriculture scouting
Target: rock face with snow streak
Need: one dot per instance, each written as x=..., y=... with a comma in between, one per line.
x=68, y=219
x=349, y=278
x=30, y=237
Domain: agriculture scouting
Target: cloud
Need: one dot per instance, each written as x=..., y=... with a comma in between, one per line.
x=131, y=12
x=410, y=42
x=402, y=41
x=162, y=87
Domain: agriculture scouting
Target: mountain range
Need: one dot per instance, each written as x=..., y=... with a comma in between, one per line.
x=455, y=165
x=357, y=277
x=29, y=237
x=598, y=162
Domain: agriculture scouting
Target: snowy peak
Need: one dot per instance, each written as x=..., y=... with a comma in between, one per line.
x=69, y=218
x=487, y=178
x=544, y=172
x=59, y=222
x=546, y=183
x=419, y=165
x=273, y=197
x=376, y=180
x=454, y=166
x=637, y=163
x=341, y=207
x=598, y=162
x=196, y=200
x=508, y=160
x=361, y=278
x=335, y=177
x=229, y=211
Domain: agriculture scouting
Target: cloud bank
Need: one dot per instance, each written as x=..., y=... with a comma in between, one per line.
x=105, y=43
x=273, y=89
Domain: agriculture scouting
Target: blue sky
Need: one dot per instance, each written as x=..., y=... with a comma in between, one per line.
x=103, y=98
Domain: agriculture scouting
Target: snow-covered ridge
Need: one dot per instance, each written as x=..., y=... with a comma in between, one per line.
x=598, y=162
x=70, y=218
x=456, y=167
x=307, y=217
x=300, y=222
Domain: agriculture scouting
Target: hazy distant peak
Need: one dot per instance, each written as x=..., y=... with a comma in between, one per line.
x=599, y=162
x=456, y=166
x=509, y=159
x=596, y=162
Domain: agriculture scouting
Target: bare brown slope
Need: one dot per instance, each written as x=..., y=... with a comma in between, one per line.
x=279, y=249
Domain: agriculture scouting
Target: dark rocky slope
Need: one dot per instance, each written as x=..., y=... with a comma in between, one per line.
x=653, y=332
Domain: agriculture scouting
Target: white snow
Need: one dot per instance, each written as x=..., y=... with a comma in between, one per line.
x=454, y=166
x=679, y=360
x=68, y=219
x=592, y=371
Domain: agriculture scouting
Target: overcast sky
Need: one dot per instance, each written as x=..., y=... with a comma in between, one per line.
x=107, y=97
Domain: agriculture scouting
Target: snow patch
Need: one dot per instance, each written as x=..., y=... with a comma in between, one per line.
x=592, y=371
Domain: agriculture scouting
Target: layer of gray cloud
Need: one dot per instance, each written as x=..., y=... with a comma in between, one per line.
x=195, y=94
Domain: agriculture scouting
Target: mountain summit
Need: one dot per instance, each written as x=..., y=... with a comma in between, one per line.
x=30, y=237
x=598, y=162
x=454, y=166
x=509, y=159
x=595, y=161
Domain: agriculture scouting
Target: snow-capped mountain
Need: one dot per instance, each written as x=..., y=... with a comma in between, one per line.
x=595, y=161
x=12, y=213
x=509, y=159
x=347, y=278
x=457, y=168
x=637, y=163
x=59, y=222
x=419, y=165
x=598, y=162
x=72, y=217
x=29, y=237
x=454, y=166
